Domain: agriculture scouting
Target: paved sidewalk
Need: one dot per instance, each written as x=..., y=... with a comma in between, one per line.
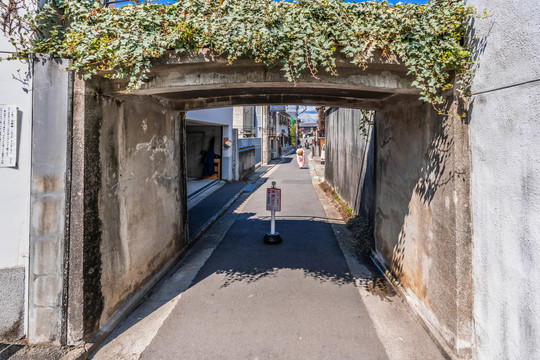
x=235, y=298
x=210, y=206
x=207, y=208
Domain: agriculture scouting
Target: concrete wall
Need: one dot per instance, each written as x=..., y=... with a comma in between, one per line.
x=422, y=219
x=350, y=160
x=16, y=81
x=246, y=162
x=410, y=177
x=505, y=139
x=256, y=143
x=50, y=191
x=139, y=157
x=128, y=206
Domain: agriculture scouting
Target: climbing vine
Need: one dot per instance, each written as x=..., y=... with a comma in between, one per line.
x=300, y=36
x=12, y=19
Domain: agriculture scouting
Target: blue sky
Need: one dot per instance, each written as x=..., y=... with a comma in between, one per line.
x=391, y=1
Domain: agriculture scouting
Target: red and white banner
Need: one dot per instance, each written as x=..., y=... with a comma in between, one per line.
x=273, y=199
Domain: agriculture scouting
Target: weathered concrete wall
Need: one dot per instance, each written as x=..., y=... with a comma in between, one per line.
x=350, y=160
x=422, y=223
x=246, y=162
x=410, y=176
x=128, y=209
x=505, y=139
x=16, y=80
x=52, y=95
x=139, y=196
x=203, y=80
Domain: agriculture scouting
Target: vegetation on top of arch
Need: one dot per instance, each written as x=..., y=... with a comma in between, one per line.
x=300, y=36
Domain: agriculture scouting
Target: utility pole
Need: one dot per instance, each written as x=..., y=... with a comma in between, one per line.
x=297, y=126
x=265, y=143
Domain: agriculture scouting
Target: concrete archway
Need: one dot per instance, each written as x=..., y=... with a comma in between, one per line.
x=203, y=81
x=125, y=185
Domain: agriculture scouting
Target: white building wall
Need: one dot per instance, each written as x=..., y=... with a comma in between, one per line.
x=505, y=146
x=15, y=182
x=258, y=121
x=238, y=117
x=16, y=86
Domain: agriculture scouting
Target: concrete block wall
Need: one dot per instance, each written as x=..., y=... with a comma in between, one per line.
x=505, y=143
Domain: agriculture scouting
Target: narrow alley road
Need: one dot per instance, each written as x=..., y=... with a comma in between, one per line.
x=248, y=300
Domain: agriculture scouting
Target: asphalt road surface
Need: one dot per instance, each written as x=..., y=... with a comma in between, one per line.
x=248, y=300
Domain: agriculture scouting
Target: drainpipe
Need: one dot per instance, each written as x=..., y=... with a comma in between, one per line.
x=264, y=137
x=236, y=175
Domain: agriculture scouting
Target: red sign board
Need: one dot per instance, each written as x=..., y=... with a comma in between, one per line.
x=273, y=199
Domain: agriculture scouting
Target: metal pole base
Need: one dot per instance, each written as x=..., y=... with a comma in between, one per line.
x=272, y=239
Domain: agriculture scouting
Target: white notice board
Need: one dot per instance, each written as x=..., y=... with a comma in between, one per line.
x=8, y=135
x=273, y=199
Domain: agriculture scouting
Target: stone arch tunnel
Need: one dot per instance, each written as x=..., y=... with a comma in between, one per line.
x=121, y=216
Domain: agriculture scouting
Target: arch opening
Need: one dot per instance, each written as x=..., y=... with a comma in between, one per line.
x=133, y=170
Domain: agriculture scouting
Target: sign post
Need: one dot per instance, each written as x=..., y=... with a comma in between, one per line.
x=273, y=203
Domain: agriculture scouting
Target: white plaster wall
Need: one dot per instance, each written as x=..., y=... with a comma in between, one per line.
x=258, y=121
x=283, y=129
x=238, y=117
x=15, y=182
x=223, y=117
x=505, y=146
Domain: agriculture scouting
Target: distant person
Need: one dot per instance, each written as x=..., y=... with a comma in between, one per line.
x=208, y=159
x=300, y=157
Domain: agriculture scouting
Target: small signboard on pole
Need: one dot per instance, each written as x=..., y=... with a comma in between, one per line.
x=273, y=199
x=273, y=204
x=8, y=136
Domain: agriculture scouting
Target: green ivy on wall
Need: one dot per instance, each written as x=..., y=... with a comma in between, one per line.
x=300, y=36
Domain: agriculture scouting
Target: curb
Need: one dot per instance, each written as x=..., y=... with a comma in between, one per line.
x=432, y=333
